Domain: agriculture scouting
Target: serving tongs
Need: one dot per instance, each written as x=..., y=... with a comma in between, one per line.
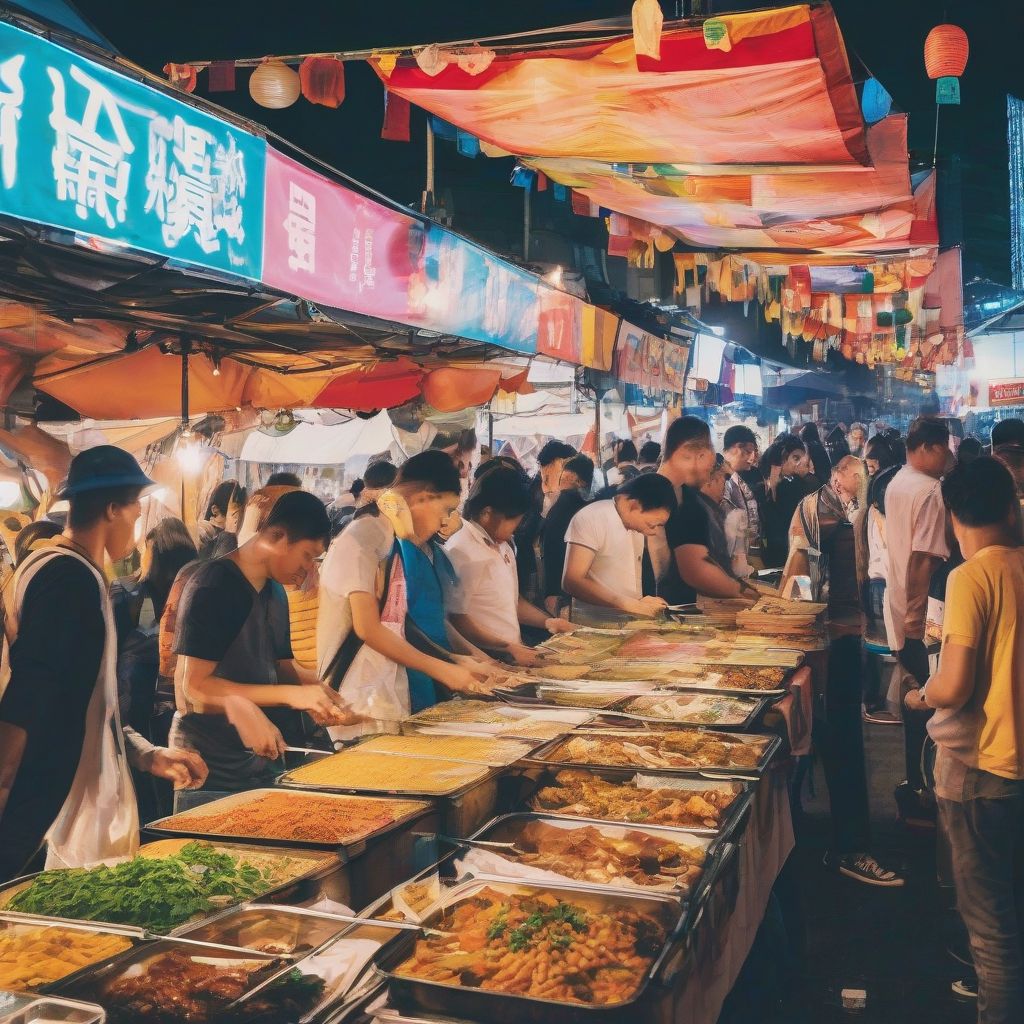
x=139, y=934
x=482, y=844
x=370, y=922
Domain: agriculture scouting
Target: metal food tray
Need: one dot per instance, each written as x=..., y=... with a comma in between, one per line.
x=528, y=695
x=733, y=820
x=771, y=745
x=345, y=850
x=16, y=919
x=507, y=827
x=320, y=879
x=413, y=995
x=18, y=1009
x=758, y=702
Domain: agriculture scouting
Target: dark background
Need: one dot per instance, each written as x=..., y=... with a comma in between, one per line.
x=884, y=36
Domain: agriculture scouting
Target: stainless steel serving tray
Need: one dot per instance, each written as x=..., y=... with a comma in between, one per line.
x=733, y=817
x=348, y=850
x=508, y=827
x=753, y=703
x=18, y=1009
x=412, y=995
x=770, y=746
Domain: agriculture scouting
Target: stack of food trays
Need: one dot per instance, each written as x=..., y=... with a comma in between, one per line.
x=349, y=827
x=459, y=773
x=504, y=951
x=19, y=1009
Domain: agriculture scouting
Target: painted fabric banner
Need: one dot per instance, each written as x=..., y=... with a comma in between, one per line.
x=88, y=150
x=340, y=249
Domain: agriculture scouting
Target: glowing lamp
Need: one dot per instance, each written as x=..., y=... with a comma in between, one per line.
x=945, y=51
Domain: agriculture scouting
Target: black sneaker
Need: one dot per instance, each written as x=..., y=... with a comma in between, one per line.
x=966, y=988
x=862, y=867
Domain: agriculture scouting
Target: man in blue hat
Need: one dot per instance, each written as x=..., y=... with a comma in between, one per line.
x=63, y=756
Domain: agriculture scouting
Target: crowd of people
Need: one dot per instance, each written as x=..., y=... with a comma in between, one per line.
x=186, y=680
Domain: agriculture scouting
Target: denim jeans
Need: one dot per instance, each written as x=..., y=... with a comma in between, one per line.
x=986, y=833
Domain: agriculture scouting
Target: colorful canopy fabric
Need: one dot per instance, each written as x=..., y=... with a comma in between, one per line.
x=780, y=93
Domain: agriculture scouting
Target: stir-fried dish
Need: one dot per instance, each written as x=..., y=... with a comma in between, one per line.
x=587, y=854
x=539, y=946
x=581, y=794
x=33, y=957
x=683, y=749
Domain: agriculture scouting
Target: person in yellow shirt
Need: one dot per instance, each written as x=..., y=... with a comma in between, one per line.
x=978, y=729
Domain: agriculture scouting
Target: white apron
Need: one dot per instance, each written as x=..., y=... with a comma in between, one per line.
x=99, y=820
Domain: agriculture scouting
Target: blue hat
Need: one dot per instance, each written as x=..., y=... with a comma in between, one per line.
x=100, y=468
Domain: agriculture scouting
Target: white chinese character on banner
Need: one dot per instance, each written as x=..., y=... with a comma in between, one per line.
x=193, y=184
x=180, y=182
x=10, y=112
x=91, y=171
x=301, y=227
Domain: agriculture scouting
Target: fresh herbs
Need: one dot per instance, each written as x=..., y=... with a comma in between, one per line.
x=571, y=918
x=499, y=924
x=157, y=893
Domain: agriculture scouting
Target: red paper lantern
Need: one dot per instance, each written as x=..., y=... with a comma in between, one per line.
x=945, y=51
x=323, y=80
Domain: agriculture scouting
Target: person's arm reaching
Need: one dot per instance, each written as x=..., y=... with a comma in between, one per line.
x=185, y=769
x=368, y=627
x=578, y=583
x=952, y=685
x=699, y=570
x=531, y=615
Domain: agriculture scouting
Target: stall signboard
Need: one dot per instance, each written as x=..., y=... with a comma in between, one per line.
x=342, y=250
x=88, y=150
x=1006, y=392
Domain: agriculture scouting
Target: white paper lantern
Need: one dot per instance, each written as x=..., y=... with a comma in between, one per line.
x=274, y=85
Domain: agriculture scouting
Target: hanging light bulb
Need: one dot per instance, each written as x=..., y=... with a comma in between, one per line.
x=189, y=453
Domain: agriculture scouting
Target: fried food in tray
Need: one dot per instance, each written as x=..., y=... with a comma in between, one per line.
x=32, y=956
x=485, y=750
x=459, y=717
x=687, y=748
x=582, y=794
x=360, y=769
x=539, y=945
x=295, y=817
x=589, y=854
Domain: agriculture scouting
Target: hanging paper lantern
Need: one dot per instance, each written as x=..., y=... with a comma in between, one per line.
x=274, y=85
x=945, y=51
x=323, y=80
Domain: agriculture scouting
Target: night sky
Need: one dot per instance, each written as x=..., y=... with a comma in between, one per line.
x=886, y=36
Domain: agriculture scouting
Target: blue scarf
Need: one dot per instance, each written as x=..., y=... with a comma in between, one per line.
x=425, y=598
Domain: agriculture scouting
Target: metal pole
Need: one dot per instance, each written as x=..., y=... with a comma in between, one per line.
x=597, y=428
x=526, y=225
x=490, y=426
x=428, y=192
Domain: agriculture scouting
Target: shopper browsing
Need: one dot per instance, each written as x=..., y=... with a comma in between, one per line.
x=978, y=729
x=576, y=481
x=362, y=643
x=744, y=487
x=605, y=547
x=233, y=640
x=487, y=608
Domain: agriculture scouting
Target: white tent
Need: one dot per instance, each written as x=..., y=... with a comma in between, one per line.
x=315, y=444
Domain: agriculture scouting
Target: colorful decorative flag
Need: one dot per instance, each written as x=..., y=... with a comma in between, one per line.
x=947, y=91
x=221, y=76
x=396, y=118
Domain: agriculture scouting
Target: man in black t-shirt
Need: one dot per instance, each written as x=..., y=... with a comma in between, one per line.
x=233, y=635
x=576, y=480
x=57, y=654
x=681, y=558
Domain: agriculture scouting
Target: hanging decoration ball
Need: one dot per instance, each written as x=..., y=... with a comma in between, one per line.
x=323, y=80
x=274, y=85
x=945, y=51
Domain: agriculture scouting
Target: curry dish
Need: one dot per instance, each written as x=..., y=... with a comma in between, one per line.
x=579, y=793
x=684, y=749
x=538, y=946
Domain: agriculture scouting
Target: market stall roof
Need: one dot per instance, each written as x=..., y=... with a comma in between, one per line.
x=315, y=444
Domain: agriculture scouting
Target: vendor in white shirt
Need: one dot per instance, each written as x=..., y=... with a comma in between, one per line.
x=486, y=606
x=605, y=545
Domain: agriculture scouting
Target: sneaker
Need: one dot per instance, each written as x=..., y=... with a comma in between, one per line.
x=881, y=717
x=862, y=867
x=965, y=988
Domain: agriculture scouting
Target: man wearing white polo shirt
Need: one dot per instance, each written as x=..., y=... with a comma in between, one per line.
x=486, y=606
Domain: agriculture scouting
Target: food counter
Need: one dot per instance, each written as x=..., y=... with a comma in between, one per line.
x=627, y=820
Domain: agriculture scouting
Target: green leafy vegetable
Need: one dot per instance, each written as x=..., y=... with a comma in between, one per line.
x=157, y=893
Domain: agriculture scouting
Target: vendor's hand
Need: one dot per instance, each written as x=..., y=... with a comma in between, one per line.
x=462, y=680
x=524, y=656
x=185, y=768
x=257, y=732
x=559, y=625
x=551, y=604
x=647, y=607
x=326, y=706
